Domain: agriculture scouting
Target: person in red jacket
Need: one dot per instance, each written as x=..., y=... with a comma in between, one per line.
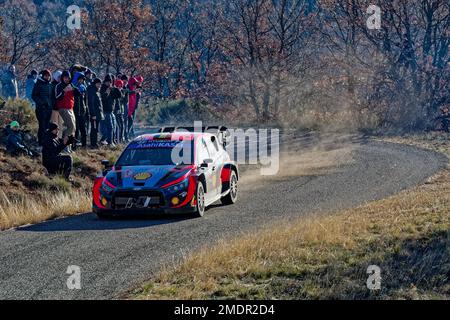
x=134, y=85
x=65, y=102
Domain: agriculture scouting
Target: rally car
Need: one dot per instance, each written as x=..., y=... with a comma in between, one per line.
x=172, y=171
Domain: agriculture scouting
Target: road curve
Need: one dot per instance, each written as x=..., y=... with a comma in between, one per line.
x=119, y=254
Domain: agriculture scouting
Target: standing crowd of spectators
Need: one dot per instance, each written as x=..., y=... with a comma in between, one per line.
x=74, y=107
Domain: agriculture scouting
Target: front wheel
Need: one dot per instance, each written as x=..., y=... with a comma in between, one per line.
x=231, y=197
x=200, y=196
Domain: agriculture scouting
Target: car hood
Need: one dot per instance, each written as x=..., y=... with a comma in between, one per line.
x=146, y=176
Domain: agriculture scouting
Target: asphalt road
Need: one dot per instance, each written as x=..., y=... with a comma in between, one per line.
x=117, y=255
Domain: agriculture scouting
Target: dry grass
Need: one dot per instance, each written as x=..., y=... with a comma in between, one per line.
x=28, y=195
x=326, y=256
x=27, y=210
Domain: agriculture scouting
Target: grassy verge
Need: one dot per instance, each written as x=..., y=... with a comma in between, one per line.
x=17, y=212
x=28, y=195
x=327, y=256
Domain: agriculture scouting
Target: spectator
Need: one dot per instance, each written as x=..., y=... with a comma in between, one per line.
x=118, y=111
x=76, y=68
x=80, y=108
x=89, y=77
x=53, y=161
x=14, y=141
x=56, y=118
x=95, y=110
x=125, y=97
x=108, y=99
x=9, y=83
x=65, y=102
x=134, y=86
x=42, y=97
x=29, y=85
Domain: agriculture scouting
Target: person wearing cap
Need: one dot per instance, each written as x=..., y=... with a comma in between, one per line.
x=80, y=109
x=94, y=101
x=52, y=160
x=65, y=102
x=42, y=97
x=125, y=97
x=108, y=99
x=132, y=86
x=89, y=77
x=29, y=85
x=14, y=141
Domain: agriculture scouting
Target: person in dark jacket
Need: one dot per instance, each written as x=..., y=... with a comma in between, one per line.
x=14, y=141
x=108, y=99
x=53, y=161
x=95, y=106
x=89, y=78
x=29, y=85
x=118, y=111
x=125, y=97
x=80, y=109
x=10, y=87
x=42, y=97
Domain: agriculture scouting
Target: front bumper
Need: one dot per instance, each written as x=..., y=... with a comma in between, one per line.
x=144, y=211
x=115, y=204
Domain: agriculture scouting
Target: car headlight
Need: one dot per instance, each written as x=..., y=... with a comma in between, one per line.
x=178, y=187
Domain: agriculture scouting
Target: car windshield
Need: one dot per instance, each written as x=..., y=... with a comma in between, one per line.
x=156, y=153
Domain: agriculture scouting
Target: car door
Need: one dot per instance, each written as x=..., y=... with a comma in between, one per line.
x=202, y=155
x=213, y=149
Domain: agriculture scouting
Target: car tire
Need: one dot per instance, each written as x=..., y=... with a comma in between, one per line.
x=200, y=196
x=231, y=197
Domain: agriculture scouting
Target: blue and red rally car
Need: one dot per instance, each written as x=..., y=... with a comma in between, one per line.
x=168, y=172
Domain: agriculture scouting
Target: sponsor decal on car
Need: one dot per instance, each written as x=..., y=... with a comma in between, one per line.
x=142, y=176
x=153, y=144
x=128, y=173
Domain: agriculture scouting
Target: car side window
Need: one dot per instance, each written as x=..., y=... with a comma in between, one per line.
x=212, y=147
x=203, y=152
x=216, y=145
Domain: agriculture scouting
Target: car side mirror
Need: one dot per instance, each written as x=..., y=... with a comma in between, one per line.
x=206, y=163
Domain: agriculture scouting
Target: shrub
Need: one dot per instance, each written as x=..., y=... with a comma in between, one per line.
x=60, y=184
x=21, y=111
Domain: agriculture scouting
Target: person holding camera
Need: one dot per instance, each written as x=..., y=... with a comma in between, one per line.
x=53, y=161
x=15, y=143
